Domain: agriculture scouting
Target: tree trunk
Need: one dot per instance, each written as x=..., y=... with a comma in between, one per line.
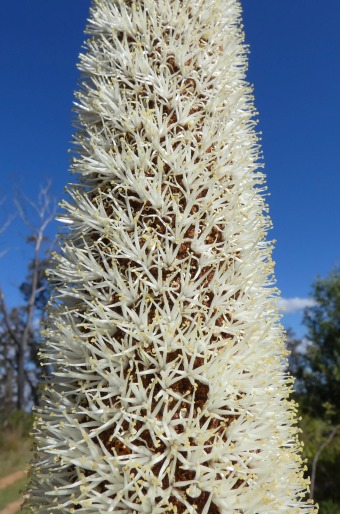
x=21, y=377
x=8, y=401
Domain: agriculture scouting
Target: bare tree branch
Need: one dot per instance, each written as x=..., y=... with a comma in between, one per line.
x=5, y=225
x=44, y=210
x=316, y=458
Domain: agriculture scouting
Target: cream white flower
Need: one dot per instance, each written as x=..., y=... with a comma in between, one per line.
x=169, y=392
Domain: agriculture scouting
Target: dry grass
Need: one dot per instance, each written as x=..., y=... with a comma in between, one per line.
x=15, y=452
x=12, y=492
x=15, y=442
x=15, y=455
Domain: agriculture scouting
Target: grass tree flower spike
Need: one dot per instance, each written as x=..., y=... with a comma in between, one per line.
x=169, y=392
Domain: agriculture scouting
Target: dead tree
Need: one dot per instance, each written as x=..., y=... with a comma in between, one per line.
x=43, y=214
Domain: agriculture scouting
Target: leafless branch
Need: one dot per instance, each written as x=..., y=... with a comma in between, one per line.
x=316, y=458
x=44, y=208
x=5, y=225
x=44, y=211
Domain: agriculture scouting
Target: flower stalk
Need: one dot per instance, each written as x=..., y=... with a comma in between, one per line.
x=169, y=392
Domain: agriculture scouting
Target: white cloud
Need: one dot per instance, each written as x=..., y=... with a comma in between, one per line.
x=302, y=347
x=289, y=305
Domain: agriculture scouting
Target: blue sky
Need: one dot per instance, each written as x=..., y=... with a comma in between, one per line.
x=294, y=66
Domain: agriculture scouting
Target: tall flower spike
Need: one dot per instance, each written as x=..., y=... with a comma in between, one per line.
x=169, y=392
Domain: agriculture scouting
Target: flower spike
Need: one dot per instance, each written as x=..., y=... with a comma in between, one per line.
x=169, y=392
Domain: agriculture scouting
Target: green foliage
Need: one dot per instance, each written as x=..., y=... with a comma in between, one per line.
x=315, y=433
x=322, y=360
x=329, y=507
x=43, y=285
x=17, y=421
x=317, y=372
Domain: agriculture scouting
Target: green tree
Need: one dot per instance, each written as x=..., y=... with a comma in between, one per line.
x=320, y=402
x=322, y=359
x=296, y=361
x=315, y=364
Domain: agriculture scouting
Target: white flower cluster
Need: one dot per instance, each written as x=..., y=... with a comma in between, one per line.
x=169, y=392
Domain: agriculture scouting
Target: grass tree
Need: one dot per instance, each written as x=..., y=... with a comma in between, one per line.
x=169, y=392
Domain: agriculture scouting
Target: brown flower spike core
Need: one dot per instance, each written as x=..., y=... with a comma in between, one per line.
x=152, y=222
x=169, y=393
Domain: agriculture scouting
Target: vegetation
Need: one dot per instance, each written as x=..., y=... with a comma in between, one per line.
x=15, y=442
x=19, y=325
x=12, y=492
x=316, y=366
x=321, y=372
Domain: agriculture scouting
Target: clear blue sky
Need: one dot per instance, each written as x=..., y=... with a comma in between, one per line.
x=294, y=66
